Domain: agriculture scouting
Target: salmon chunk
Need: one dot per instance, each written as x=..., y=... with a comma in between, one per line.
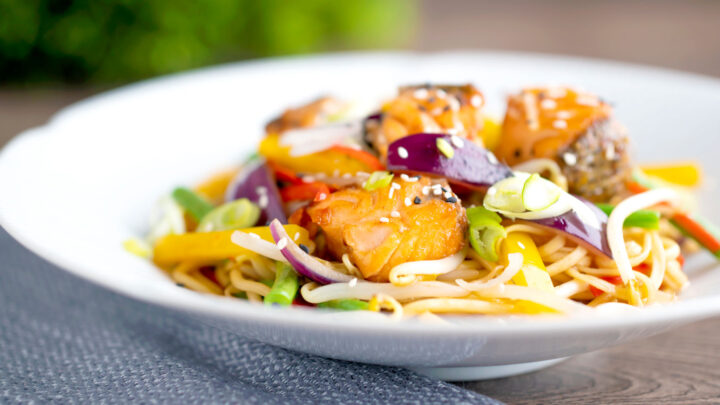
x=455, y=110
x=577, y=130
x=406, y=221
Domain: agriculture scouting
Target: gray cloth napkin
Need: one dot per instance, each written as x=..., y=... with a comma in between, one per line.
x=65, y=340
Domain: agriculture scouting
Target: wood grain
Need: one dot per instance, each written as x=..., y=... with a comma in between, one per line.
x=680, y=367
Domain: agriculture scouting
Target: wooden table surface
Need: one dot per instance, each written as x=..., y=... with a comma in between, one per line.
x=678, y=367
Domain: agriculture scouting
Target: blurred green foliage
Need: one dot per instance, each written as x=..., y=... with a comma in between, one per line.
x=122, y=40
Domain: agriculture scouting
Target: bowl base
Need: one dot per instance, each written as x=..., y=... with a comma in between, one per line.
x=484, y=372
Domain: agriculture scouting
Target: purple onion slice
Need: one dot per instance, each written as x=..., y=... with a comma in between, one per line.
x=572, y=225
x=469, y=164
x=256, y=183
x=305, y=264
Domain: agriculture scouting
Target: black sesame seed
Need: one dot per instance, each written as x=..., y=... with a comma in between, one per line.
x=451, y=200
x=444, y=190
x=529, y=122
x=304, y=248
x=541, y=95
x=446, y=108
x=518, y=153
x=180, y=284
x=417, y=200
x=431, y=100
x=422, y=108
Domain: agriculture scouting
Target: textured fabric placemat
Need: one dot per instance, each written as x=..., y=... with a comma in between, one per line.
x=65, y=340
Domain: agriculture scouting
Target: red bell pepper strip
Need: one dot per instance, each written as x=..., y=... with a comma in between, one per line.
x=614, y=280
x=285, y=174
x=365, y=157
x=304, y=191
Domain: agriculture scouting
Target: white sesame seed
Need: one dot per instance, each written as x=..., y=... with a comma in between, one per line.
x=548, y=104
x=336, y=172
x=395, y=186
x=352, y=283
x=569, y=158
x=436, y=111
x=260, y=190
x=448, y=194
x=476, y=101
x=426, y=190
x=437, y=191
x=282, y=243
x=384, y=219
x=559, y=124
x=563, y=115
x=391, y=192
x=296, y=236
x=308, y=179
x=610, y=152
x=263, y=201
x=402, y=152
x=421, y=94
x=395, y=214
x=404, y=177
x=413, y=179
x=436, y=186
x=408, y=202
x=441, y=93
x=254, y=235
x=556, y=92
x=454, y=104
x=457, y=141
x=587, y=100
x=521, y=245
x=491, y=158
x=321, y=197
x=346, y=175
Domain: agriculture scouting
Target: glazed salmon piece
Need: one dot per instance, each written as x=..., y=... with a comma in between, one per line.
x=379, y=230
x=314, y=113
x=577, y=130
x=456, y=110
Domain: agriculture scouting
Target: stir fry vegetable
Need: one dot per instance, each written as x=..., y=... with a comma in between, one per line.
x=209, y=247
x=646, y=219
x=193, y=203
x=485, y=232
x=285, y=287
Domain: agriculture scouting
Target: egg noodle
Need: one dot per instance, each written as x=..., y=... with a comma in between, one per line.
x=579, y=277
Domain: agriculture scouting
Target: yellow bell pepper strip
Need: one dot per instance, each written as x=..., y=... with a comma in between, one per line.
x=213, y=188
x=686, y=174
x=533, y=273
x=211, y=247
x=333, y=161
x=491, y=132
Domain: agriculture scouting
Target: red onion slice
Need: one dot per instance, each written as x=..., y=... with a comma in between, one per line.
x=470, y=164
x=571, y=224
x=256, y=183
x=305, y=264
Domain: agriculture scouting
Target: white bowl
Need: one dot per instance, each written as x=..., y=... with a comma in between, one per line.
x=75, y=188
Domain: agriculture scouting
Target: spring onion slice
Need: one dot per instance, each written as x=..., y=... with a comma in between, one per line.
x=379, y=179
